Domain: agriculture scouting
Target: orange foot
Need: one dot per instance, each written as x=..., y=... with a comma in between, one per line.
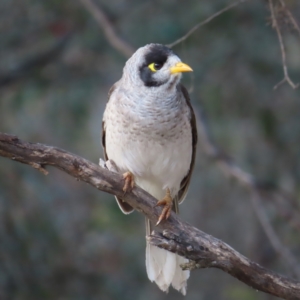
x=129, y=182
x=167, y=202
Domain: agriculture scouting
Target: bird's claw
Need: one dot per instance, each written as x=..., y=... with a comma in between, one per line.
x=167, y=202
x=129, y=182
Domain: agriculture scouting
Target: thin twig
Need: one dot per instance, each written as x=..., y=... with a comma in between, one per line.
x=272, y=236
x=275, y=25
x=191, y=31
x=109, y=31
x=290, y=15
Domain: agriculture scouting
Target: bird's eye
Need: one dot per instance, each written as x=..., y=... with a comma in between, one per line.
x=155, y=67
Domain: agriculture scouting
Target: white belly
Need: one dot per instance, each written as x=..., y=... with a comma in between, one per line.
x=156, y=164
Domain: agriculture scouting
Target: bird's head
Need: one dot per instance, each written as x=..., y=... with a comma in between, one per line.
x=155, y=65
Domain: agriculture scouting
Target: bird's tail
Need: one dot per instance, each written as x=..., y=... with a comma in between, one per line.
x=163, y=267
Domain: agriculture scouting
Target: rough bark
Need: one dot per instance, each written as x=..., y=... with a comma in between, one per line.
x=175, y=235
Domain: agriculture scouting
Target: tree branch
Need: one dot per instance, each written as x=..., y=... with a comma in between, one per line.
x=275, y=25
x=210, y=18
x=173, y=234
x=115, y=41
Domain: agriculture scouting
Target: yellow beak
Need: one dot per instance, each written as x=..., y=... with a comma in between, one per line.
x=180, y=67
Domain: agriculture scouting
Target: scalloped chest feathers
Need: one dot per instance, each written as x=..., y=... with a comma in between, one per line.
x=151, y=139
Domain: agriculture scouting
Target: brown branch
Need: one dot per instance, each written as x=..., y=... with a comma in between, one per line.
x=173, y=234
x=109, y=31
x=191, y=31
x=275, y=25
x=205, y=251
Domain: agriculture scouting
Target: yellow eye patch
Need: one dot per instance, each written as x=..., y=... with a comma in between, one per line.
x=151, y=67
x=155, y=67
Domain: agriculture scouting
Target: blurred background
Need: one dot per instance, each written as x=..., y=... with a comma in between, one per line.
x=62, y=239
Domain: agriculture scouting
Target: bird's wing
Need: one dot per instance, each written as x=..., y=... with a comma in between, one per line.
x=186, y=180
x=125, y=207
x=103, y=122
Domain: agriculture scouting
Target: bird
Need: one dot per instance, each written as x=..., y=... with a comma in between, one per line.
x=149, y=133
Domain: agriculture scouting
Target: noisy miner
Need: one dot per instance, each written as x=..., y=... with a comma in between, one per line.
x=149, y=133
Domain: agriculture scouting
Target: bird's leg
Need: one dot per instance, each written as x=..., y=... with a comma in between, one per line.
x=129, y=182
x=167, y=202
x=128, y=176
